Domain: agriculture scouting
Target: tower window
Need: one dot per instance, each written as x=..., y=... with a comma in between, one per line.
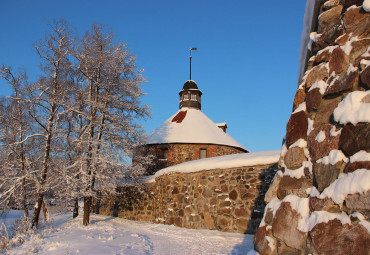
x=186, y=97
x=193, y=97
x=162, y=153
x=202, y=153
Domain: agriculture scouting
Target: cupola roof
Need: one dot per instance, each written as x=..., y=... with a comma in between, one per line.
x=190, y=84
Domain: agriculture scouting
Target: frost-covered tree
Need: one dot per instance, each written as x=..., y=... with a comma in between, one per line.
x=47, y=99
x=14, y=141
x=81, y=120
x=107, y=106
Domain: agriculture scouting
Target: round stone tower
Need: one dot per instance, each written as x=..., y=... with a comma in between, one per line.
x=190, y=95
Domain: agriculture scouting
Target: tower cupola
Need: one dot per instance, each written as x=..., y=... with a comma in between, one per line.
x=190, y=95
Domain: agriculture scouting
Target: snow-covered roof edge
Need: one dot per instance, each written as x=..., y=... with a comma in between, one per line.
x=221, y=162
x=305, y=37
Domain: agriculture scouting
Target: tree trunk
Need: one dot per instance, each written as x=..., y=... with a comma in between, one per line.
x=25, y=207
x=75, y=208
x=40, y=198
x=98, y=199
x=87, y=205
x=87, y=199
x=36, y=213
x=45, y=211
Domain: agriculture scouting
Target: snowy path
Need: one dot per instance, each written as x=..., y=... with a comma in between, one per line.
x=109, y=235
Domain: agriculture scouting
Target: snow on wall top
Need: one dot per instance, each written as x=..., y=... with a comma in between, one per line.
x=221, y=162
x=190, y=125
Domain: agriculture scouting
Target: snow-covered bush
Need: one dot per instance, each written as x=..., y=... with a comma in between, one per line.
x=22, y=228
x=4, y=239
x=20, y=231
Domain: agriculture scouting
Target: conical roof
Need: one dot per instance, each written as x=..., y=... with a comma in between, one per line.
x=190, y=125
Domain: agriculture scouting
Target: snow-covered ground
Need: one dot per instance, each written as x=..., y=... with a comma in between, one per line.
x=110, y=235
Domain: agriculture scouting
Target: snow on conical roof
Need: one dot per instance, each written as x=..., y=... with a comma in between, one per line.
x=190, y=125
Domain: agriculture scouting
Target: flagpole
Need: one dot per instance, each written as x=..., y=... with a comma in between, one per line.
x=190, y=64
x=190, y=59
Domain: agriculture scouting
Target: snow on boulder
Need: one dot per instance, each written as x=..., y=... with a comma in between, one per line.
x=321, y=85
x=308, y=223
x=354, y=108
x=346, y=184
x=366, y=5
x=334, y=157
x=360, y=156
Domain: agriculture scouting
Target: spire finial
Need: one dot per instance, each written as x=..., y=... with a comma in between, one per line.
x=190, y=59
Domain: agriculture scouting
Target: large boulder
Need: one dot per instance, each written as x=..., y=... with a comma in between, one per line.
x=325, y=112
x=262, y=240
x=354, y=139
x=348, y=82
x=325, y=174
x=299, y=98
x=294, y=157
x=357, y=21
x=313, y=99
x=285, y=226
x=365, y=77
x=353, y=166
x=293, y=186
x=330, y=18
x=319, y=149
x=358, y=202
x=338, y=61
x=296, y=127
x=317, y=73
x=335, y=238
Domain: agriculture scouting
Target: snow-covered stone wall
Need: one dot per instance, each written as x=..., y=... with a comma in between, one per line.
x=319, y=201
x=224, y=193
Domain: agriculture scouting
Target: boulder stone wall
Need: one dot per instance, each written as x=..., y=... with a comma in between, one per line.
x=319, y=201
x=230, y=200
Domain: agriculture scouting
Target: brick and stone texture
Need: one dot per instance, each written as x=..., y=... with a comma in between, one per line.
x=182, y=152
x=230, y=200
x=339, y=64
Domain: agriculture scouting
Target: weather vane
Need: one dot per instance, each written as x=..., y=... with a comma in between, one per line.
x=190, y=59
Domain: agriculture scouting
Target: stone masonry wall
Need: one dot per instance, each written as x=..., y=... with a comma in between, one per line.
x=319, y=201
x=230, y=200
x=179, y=153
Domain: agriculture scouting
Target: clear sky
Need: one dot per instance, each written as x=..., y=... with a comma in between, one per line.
x=246, y=64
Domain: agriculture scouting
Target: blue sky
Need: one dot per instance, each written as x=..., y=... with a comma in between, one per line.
x=246, y=64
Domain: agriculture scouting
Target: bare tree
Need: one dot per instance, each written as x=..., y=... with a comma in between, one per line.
x=82, y=119
x=112, y=93
x=14, y=135
x=47, y=97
